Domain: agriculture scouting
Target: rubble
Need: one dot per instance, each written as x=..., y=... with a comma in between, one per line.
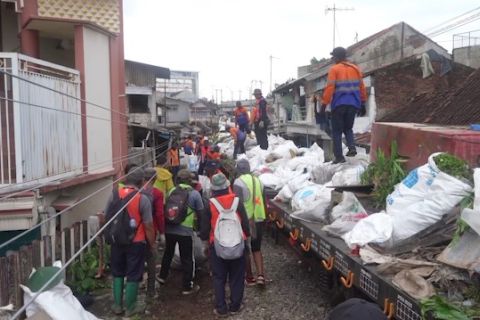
x=450, y=100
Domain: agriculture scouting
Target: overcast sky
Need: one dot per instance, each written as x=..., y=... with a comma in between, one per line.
x=230, y=41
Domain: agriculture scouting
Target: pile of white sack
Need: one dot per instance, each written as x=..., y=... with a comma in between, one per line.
x=300, y=175
x=418, y=202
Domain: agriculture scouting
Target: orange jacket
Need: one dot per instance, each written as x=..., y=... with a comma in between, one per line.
x=344, y=86
x=173, y=158
x=133, y=209
x=241, y=115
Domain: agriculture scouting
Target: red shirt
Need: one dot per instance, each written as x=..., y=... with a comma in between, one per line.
x=158, y=214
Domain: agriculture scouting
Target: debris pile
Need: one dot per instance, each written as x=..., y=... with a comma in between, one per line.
x=456, y=103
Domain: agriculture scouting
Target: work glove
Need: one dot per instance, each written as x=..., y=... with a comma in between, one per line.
x=363, y=111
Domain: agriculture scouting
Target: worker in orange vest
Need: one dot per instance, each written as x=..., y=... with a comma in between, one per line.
x=241, y=117
x=174, y=159
x=239, y=138
x=259, y=119
x=221, y=205
x=346, y=94
x=128, y=260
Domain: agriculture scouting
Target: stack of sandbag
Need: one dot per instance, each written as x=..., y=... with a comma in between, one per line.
x=418, y=202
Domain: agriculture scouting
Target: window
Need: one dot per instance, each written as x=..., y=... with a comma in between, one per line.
x=138, y=103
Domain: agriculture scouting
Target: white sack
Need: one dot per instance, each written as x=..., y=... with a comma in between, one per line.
x=269, y=180
x=476, y=181
x=198, y=253
x=345, y=215
x=422, y=198
x=58, y=302
x=284, y=195
x=376, y=228
x=285, y=150
x=306, y=197
x=192, y=161
x=316, y=210
x=350, y=176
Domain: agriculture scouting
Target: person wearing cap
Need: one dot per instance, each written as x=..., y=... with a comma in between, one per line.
x=356, y=309
x=164, y=180
x=346, y=94
x=239, y=138
x=259, y=119
x=233, y=270
x=249, y=190
x=242, y=118
x=156, y=198
x=128, y=261
x=183, y=235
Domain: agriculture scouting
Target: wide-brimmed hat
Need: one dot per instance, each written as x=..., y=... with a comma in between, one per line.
x=219, y=182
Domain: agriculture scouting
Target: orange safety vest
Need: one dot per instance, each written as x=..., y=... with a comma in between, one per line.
x=174, y=160
x=133, y=209
x=226, y=201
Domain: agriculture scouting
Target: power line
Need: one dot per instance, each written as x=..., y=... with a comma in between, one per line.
x=447, y=21
x=456, y=25
x=67, y=263
x=10, y=195
x=70, y=207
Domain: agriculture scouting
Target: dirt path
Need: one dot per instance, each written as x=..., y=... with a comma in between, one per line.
x=293, y=294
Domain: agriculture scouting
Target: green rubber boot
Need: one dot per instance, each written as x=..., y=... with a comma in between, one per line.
x=131, y=304
x=117, y=307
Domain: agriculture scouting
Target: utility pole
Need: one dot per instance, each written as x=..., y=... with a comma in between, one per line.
x=334, y=10
x=271, y=71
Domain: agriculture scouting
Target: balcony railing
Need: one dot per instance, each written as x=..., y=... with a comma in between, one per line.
x=40, y=120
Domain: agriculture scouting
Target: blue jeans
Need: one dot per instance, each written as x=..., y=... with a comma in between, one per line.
x=342, y=122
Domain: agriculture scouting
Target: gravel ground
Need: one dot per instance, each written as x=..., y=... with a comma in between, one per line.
x=294, y=292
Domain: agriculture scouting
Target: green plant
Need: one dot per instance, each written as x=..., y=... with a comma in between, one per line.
x=462, y=226
x=453, y=166
x=384, y=174
x=84, y=270
x=442, y=309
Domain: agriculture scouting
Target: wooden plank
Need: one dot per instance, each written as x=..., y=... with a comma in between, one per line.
x=66, y=231
x=81, y=241
x=72, y=242
x=47, y=250
x=76, y=228
x=62, y=247
x=36, y=248
x=4, y=282
x=14, y=276
x=25, y=263
x=42, y=254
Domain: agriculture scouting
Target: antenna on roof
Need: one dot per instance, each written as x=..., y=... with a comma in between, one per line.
x=334, y=10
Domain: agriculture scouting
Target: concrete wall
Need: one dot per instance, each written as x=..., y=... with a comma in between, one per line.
x=469, y=56
x=51, y=51
x=97, y=90
x=177, y=112
x=85, y=209
x=396, y=43
x=9, y=28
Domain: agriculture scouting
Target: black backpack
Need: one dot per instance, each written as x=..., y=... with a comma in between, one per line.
x=119, y=231
x=176, y=208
